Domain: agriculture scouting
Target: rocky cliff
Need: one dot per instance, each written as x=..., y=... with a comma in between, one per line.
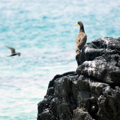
x=92, y=92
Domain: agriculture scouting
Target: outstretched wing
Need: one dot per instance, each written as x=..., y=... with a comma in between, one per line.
x=12, y=49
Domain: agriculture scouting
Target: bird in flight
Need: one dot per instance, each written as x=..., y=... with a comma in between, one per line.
x=13, y=51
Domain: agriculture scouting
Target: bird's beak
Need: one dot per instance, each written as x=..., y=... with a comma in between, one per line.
x=76, y=24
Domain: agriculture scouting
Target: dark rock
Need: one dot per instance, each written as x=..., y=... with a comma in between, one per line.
x=101, y=71
x=51, y=83
x=45, y=115
x=50, y=91
x=79, y=114
x=90, y=93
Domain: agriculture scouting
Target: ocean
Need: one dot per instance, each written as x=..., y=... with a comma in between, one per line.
x=43, y=31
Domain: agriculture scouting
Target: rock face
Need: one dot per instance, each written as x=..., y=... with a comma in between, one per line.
x=92, y=92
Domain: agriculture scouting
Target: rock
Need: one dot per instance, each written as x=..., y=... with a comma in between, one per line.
x=101, y=71
x=79, y=114
x=92, y=92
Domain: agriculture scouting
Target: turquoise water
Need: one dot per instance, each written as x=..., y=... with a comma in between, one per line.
x=44, y=33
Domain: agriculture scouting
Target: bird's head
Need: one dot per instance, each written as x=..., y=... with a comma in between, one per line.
x=79, y=23
x=81, y=26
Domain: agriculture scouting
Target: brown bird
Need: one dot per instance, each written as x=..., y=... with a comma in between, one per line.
x=13, y=51
x=80, y=42
x=81, y=38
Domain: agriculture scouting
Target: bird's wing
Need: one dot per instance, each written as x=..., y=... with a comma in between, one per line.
x=81, y=40
x=12, y=49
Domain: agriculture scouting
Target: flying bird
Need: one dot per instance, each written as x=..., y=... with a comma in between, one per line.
x=81, y=38
x=13, y=51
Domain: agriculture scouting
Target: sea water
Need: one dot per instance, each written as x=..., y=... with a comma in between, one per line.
x=43, y=31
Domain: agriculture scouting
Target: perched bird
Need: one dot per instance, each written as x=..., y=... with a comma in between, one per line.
x=13, y=52
x=80, y=42
x=81, y=38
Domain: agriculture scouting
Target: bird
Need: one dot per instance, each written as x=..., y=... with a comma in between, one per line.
x=81, y=38
x=80, y=42
x=13, y=52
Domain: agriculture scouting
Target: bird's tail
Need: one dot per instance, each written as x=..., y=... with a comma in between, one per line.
x=19, y=54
